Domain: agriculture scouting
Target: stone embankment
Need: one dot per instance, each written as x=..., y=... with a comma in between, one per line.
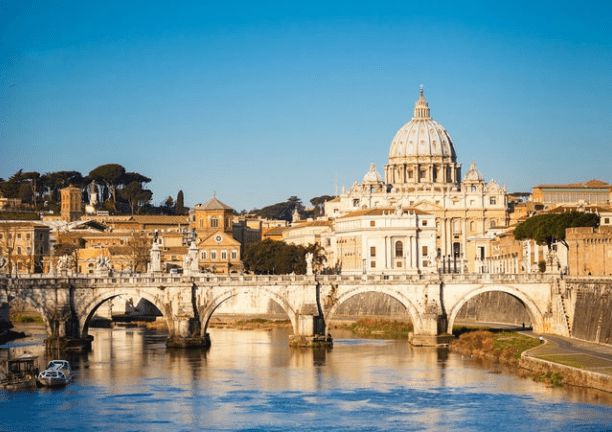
x=590, y=300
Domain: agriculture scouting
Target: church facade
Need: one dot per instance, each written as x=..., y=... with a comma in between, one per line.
x=423, y=176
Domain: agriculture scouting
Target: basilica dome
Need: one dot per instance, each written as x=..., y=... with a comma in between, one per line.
x=422, y=136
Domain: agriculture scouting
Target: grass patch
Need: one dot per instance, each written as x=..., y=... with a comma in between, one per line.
x=376, y=328
x=26, y=318
x=553, y=378
x=503, y=346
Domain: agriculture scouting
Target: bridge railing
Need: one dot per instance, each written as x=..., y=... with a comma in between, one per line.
x=247, y=279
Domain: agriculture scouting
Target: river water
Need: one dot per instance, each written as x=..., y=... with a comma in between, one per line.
x=252, y=380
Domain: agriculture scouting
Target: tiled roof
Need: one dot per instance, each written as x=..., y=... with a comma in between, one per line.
x=214, y=204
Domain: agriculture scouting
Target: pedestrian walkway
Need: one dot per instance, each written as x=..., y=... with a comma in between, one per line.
x=575, y=353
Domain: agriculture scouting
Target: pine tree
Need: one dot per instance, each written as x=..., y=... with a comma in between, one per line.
x=180, y=203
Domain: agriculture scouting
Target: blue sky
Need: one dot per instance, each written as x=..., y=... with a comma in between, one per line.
x=257, y=101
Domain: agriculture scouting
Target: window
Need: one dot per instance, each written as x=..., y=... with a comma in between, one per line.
x=492, y=223
x=224, y=255
x=473, y=188
x=356, y=202
x=410, y=174
x=213, y=255
x=424, y=223
x=214, y=222
x=234, y=255
x=19, y=250
x=492, y=200
x=373, y=264
x=472, y=226
x=399, y=249
x=606, y=221
x=399, y=264
x=204, y=255
x=18, y=235
x=372, y=223
x=425, y=250
x=28, y=237
x=201, y=223
x=372, y=251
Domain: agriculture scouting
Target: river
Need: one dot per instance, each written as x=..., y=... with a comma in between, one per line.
x=252, y=380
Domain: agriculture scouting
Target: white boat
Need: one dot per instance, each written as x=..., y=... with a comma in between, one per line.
x=60, y=365
x=52, y=378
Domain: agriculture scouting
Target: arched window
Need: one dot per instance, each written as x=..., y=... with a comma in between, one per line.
x=493, y=223
x=399, y=249
x=472, y=226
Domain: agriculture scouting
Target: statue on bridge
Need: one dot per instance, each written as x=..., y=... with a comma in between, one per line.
x=103, y=266
x=65, y=263
x=309, y=259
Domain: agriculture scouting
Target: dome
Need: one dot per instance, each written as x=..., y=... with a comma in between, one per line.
x=372, y=175
x=422, y=136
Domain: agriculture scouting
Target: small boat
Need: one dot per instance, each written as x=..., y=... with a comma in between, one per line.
x=20, y=373
x=60, y=365
x=53, y=378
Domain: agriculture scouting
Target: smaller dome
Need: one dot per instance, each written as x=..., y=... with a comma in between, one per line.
x=372, y=176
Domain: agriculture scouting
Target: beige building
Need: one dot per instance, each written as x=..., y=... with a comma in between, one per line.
x=212, y=224
x=23, y=246
x=382, y=241
x=590, y=192
x=590, y=251
x=423, y=173
x=71, y=205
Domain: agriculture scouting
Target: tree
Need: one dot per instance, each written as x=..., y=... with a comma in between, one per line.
x=111, y=175
x=319, y=204
x=136, y=196
x=54, y=181
x=139, y=246
x=318, y=256
x=282, y=210
x=180, y=203
x=549, y=228
x=275, y=257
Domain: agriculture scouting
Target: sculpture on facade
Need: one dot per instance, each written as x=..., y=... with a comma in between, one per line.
x=65, y=263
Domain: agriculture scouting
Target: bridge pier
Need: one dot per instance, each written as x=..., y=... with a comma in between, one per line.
x=185, y=332
x=309, y=331
x=431, y=331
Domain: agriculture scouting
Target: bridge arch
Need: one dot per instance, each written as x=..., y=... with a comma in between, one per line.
x=208, y=310
x=27, y=297
x=88, y=310
x=536, y=315
x=344, y=295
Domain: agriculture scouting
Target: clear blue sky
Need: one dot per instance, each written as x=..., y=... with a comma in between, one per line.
x=261, y=100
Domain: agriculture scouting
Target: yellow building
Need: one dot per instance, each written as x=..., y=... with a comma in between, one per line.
x=23, y=246
x=212, y=224
x=590, y=251
x=590, y=192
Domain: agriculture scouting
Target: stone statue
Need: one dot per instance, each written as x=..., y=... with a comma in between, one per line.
x=65, y=263
x=193, y=266
x=309, y=258
x=103, y=265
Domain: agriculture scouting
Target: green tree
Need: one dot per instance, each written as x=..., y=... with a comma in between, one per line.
x=275, y=257
x=549, y=228
x=282, y=210
x=135, y=196
x=318, y=256
x=319, y=204
x=180, y=203
x=110, y=175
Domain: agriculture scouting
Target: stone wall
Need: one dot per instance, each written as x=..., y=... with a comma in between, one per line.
x=372, y=304
x=592, y=312
x=495, y=307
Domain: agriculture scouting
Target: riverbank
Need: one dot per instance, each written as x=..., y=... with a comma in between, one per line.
x=375, y=328
x=526, y=356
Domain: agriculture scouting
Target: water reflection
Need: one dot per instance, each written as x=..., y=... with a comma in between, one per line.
x=254, y=380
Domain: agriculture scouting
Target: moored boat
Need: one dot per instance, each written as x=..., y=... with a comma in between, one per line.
x=61, y=365
x=52, y=378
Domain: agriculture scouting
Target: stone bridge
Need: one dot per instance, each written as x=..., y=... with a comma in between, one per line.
x=187, y=303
